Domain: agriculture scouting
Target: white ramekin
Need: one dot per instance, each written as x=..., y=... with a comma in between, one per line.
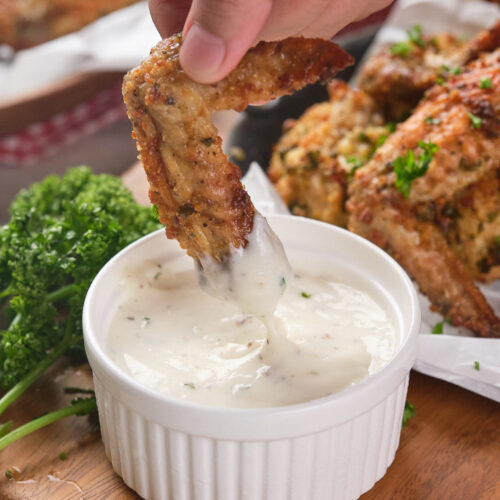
x=335, y=447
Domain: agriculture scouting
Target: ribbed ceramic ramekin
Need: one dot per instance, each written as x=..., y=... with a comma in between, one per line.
x=331, y=448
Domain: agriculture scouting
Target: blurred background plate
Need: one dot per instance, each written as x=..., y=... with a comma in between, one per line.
x=18, y=112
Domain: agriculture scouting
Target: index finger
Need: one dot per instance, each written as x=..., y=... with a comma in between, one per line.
x=169, y=15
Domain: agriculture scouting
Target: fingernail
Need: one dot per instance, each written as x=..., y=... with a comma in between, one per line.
x=201, y=54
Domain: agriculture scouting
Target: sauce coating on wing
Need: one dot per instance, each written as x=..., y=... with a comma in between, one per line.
x=196, y=188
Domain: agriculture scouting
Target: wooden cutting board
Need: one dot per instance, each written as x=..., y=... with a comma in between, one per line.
x=449, y=450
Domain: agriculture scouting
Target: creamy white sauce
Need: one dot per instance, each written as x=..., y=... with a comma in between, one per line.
x=254, y=277
x=175, y=339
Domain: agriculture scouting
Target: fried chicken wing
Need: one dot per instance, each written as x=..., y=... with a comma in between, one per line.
x=398, y=75
x=314, y=159
x=196, y=188
x=471, y=225
x=25, y=23
x=403, y=196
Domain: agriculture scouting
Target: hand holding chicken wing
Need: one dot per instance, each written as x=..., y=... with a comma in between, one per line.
x=195, y=187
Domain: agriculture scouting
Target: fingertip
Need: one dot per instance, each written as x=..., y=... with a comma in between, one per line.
x=202, y=54
x=216, y=37
x=169, y=16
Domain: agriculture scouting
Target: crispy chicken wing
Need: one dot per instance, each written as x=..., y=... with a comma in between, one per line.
x=458, y=182
x=24, y=23
x=314, y=159
x=195, y=187
x=398, y=75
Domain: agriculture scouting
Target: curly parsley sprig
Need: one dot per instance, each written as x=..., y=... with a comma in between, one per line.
x=61, y=232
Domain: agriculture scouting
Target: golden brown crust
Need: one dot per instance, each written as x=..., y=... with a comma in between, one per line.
x=486, y=41
x=312, y=163
x=25, y=23
x=471, y=224
x=195, y=187
x=467, y=156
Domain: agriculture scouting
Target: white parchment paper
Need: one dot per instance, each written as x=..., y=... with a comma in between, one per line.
x=449, y=356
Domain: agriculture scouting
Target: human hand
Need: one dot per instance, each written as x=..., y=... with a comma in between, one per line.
x=217, y=33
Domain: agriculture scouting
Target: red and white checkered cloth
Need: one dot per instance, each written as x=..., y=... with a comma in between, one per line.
x=45, y=138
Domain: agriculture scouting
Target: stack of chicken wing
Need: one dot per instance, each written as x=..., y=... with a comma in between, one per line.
x=427, y=189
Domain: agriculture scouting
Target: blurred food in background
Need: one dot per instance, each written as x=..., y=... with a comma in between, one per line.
x=25, y=23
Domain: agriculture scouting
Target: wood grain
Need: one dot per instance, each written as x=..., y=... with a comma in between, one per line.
x=449, y=450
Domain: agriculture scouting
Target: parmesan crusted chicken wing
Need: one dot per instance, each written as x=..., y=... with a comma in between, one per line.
x=196, y=188
x=432, y=189
x=398, y=75
x=314, y=160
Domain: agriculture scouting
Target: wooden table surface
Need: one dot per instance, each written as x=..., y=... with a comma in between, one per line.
x=449, y=450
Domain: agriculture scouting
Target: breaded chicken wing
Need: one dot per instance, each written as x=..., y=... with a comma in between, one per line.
x=196, y=188
x=398, y=75
x=442, y=163
x=315, y=158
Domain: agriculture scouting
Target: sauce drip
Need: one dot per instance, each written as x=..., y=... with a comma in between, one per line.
x=254, y=277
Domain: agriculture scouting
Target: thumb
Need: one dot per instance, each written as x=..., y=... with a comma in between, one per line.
x=218, y=33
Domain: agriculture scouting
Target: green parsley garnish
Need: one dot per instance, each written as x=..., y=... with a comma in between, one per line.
x=497, y=240
x=282, y=281
x=190, y=385
x=306, y=295
x=475, y=120
x=408, y=413
x=363, y=137
x=154, y=209
x=380, y=142
x=404, y=48
x=63, y=456
x=355, y=162
x=476, y=365
x=408, y=168
x=451, y=71
x=415, y=36
x=391, y=127
x=430, y=120
x=485, y=83
x=8, y=474
x=438, y=327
